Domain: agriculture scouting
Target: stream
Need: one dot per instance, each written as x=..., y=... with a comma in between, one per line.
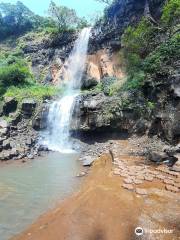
x=29, y=189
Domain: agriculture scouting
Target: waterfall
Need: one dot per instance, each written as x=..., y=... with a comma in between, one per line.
x=60, y=113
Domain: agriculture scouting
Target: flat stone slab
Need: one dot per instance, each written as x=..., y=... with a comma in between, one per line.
x=122, y=174
x=137, y=181
x=172, y=188
x=177, y=180
x=117, y=172
x=161, y=177
x=174, y=174
x=141, y=191
x=169, y=181
x=128, y=186
x=128, y=180
x=177, y=185
x=149, y=178
x=140, y=177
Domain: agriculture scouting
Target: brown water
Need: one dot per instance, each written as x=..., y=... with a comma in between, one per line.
x=30, y=189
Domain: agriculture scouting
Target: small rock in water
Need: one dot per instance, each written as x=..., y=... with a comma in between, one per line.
x=88, y=161
x=81, y=174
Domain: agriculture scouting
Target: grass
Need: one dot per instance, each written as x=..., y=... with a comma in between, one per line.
x=37, y=92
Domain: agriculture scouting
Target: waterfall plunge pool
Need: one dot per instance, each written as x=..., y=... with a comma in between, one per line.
x=30, y=189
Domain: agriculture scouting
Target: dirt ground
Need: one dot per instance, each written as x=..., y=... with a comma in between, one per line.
x=104, y=210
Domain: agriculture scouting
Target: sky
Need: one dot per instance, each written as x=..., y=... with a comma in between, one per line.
x=82, y=7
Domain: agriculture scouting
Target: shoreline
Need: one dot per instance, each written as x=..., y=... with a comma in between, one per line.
x=103, y=209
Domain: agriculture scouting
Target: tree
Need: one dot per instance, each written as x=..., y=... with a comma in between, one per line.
x=63, y=16
x=15, y=19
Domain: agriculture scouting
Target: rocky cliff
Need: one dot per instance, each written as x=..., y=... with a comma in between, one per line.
x=107, y=31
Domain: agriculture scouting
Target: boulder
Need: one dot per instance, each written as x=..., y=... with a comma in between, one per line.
x=10, y=105
x=3, y=123
x=40, y=120
x=5, y=155
x=89, y=83
x=6, y=144
x=87, y=161
x=157, y=156
x=28, y=107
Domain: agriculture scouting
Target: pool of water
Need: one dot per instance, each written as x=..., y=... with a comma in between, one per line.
x=30, y=189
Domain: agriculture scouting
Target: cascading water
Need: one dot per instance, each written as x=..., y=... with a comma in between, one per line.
x=61, y=110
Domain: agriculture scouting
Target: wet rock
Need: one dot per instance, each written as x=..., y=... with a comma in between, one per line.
x=81, y=174
x=5, y=155
x=40, y=120
x=14, y=152
x=30, y=156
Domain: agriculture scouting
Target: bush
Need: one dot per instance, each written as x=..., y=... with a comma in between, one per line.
x=166, y=54
x=13, y=74
x=107, y=83
x=134, y=81
x=171, y=12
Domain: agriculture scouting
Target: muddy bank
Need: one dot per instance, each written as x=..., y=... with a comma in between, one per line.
x=104, y=209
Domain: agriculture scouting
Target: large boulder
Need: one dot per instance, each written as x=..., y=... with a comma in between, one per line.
x=40, y=120
x=28, y=107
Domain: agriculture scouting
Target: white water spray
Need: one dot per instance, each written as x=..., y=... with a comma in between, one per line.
x=60, y=112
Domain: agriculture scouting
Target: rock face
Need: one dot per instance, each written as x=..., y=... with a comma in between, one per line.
x=97, y=111
x=19, y=136
x=48, y=54
x=119, y=15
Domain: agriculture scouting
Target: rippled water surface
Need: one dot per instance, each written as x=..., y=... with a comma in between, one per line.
x=30, y=189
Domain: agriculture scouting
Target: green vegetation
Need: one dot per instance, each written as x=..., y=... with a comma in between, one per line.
x=171, y=12
x=14, y=71
x=36, y=91
x=17, y=81
x=65, y=18
x=150, y=51
x=17, y=19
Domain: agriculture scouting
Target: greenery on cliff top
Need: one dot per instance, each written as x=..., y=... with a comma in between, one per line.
x=17, y=19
